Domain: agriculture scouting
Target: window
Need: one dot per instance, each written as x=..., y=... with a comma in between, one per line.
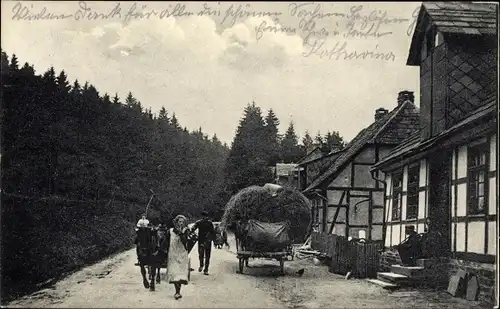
x=397, y=188
x=412, y=200
x=476, y=180
x=438, y=39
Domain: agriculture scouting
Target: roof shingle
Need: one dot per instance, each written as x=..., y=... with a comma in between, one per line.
x=414, y=144
x=381, y=131
x=453, y=17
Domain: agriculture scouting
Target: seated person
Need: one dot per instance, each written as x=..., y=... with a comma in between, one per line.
x=410, y=249
x=142, y=223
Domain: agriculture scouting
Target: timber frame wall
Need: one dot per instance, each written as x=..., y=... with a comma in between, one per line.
x=395, y=227
x=355, y=199
x=473, y=236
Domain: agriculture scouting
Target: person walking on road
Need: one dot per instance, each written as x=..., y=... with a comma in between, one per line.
x=178, y=259
x=206, y=234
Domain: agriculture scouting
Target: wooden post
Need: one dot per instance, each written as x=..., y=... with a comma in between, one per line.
x=370, y=215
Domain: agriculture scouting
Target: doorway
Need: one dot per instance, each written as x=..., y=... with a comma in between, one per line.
x=440, y=201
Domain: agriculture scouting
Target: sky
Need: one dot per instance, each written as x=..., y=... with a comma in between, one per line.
x=295, y=58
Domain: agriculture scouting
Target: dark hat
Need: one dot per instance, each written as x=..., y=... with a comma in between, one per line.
x=204, y=213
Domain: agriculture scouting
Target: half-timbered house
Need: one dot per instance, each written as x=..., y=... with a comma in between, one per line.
x=349, y=199
x=312, y=166
x=443, y=178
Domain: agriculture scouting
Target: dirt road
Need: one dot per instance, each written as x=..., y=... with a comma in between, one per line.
x=116, y=282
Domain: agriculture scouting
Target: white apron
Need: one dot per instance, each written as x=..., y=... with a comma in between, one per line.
x=177, y=262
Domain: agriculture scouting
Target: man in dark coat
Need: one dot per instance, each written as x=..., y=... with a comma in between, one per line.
x=206, y=234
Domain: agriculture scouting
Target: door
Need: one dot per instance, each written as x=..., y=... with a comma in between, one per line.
x=440, y=201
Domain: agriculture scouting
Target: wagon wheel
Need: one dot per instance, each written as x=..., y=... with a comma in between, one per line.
x=282, y=266
x=240, y=264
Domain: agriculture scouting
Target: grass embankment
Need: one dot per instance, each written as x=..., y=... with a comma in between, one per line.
x=44, y=239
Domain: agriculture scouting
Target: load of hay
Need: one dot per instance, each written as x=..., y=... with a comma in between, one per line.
x=271, y=204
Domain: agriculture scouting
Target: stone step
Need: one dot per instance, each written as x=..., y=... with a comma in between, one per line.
x=383, y=284
x=426, y=263
x=392, y=277
x=409, y=271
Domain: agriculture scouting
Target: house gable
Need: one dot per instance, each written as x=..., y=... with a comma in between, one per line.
x=449, y=18
x=367, y=136
x=314, y=154
x=455, y=46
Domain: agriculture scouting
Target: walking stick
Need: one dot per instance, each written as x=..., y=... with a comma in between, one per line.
x=147, y=206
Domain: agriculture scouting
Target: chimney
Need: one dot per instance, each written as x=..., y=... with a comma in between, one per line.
x=380, y=112
x=405, y=95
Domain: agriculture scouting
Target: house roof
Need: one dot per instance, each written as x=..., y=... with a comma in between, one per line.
x=283, y=169
x=413, y=144
x=324, y=156
x=314, y=154
x=453, y=17
x=385, y=130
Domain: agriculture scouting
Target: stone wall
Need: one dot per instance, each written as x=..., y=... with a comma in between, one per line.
x=485, y=274
x=387, y=258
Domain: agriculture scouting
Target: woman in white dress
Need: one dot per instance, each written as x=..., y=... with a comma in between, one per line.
x=177, y=261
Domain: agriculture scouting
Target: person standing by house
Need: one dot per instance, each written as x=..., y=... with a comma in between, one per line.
x=206, y=234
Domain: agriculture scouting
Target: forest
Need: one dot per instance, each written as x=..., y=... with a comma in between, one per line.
x=78, y=168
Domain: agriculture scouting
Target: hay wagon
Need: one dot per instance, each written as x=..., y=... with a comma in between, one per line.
x=264, y=240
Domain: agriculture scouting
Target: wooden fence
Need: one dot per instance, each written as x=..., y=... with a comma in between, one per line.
x=360, y=258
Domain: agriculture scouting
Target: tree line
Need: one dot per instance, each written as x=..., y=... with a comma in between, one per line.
x=65, y=139
x=258, y=145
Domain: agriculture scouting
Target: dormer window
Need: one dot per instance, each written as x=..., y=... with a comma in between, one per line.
x=438, y=39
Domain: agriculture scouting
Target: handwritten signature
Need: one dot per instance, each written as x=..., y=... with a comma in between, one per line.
x=341, y=51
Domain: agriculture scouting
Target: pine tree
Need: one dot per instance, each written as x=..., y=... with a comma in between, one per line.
x=27, y=69
x=163, y=115
x=307, y=142
x=76, y=89
x=247, y=160
x=14, y=65
x=50, y=76
x=5, y=62
x=130, y=101
x=291, y=151
x=272, y=138
x=116, y=99
x=333, y=140
x=62, y=83
x=174, y=122
x=106, y=99
x=318, y=139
